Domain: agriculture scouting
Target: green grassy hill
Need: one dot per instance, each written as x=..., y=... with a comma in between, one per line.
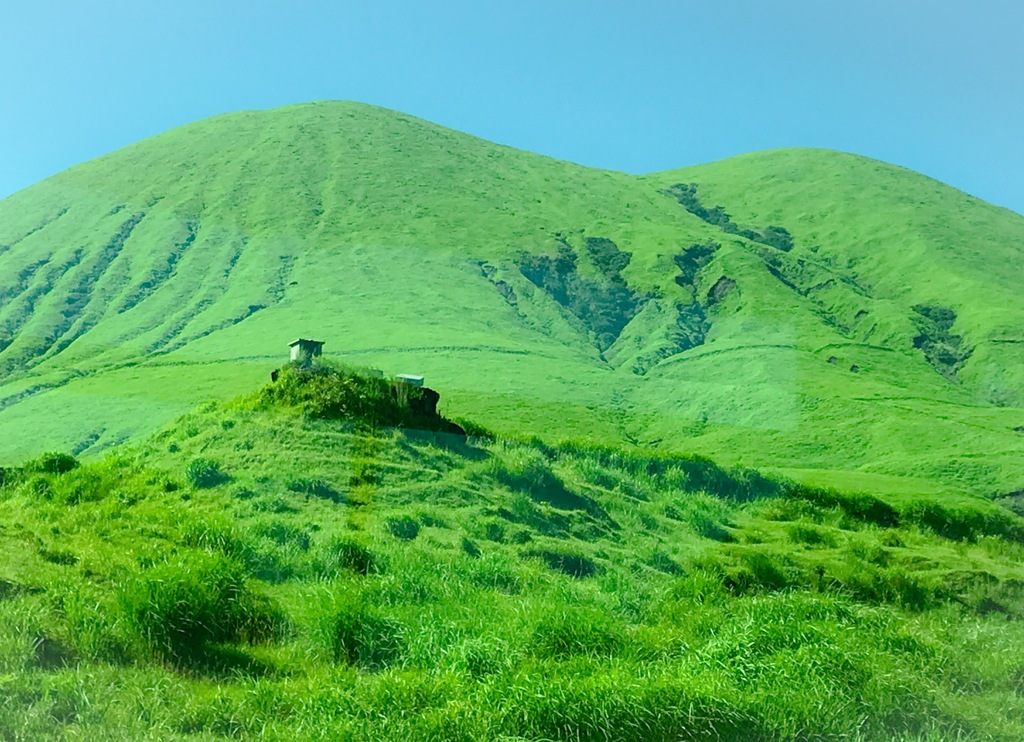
x=291, y=565
x=833, y=318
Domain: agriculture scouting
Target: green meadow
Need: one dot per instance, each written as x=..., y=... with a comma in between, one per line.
x=801, y=310
x=730, y=452
x=313, y=561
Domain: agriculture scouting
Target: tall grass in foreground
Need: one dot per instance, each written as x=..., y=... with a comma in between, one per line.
x=339, y=582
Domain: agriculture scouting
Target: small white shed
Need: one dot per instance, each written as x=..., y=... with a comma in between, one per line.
x=304, y=351
x=410, y=379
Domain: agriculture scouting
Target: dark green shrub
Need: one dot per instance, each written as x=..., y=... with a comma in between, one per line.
x=566, y=634
x=284, y=534
x=405, y=527
x=363, y=637
x=490, y=529
x=522, y=536
x=473, y=430
x=605, y=306
x=52, y=463
x=746, y=572
x=204, y=473
x=431, y=519
x=469, y=546
x=777, y=237
x=316, y=488
x=607, y=257
x=891, y=538
x=62, y=557
x=178, y=608
x=692, y=259
x=342, y=553
x=333, y=392
x=662, y=562
x=37, y=485
x=567, y=562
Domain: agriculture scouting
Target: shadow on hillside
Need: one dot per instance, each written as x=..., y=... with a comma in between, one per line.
x=544, y=487
x=221, y=661
x=451, y=442
x=317, y=488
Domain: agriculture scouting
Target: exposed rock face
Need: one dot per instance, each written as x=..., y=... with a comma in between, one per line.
x=722, y=288
x=425, y=403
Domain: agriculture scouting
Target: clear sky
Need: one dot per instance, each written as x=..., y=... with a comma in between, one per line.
x=933, y=85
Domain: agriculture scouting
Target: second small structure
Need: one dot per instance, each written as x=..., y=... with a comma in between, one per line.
x=410, y=379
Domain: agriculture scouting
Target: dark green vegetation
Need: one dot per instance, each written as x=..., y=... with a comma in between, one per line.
x=272, y=567
x=604, y=304
x=821, y=315
x=686, y=195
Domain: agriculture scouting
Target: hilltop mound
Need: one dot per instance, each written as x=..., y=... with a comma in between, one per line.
x=335, y=393
x=829, y=316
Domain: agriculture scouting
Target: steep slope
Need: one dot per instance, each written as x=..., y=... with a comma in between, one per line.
x=833, y=315
x=220, y=241
x=907, y=288
x=895, y=240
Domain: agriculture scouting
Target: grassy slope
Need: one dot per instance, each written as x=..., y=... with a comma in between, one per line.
x=195, y=255
x=384, y=228
x=338, y=580
x=893, y=239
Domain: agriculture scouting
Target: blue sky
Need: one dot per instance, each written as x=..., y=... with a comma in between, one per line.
x=936, y=86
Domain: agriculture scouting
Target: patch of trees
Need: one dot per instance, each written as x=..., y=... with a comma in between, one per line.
x=691, y=260
x=944, y=350
x=773, y=236
x=605, y=305
x=607, y=257
x=692, y=321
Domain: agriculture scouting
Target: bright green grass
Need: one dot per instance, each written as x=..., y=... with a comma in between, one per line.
x=125, y=281
x=251, y=572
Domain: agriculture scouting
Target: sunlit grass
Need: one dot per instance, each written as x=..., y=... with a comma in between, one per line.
x=516, y=589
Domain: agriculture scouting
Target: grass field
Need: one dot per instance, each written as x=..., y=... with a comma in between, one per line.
x=732, y=452
x=278, y=566
x=802, y=310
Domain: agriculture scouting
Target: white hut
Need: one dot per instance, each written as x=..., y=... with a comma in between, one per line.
x=410, y=379
x=304, y=351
